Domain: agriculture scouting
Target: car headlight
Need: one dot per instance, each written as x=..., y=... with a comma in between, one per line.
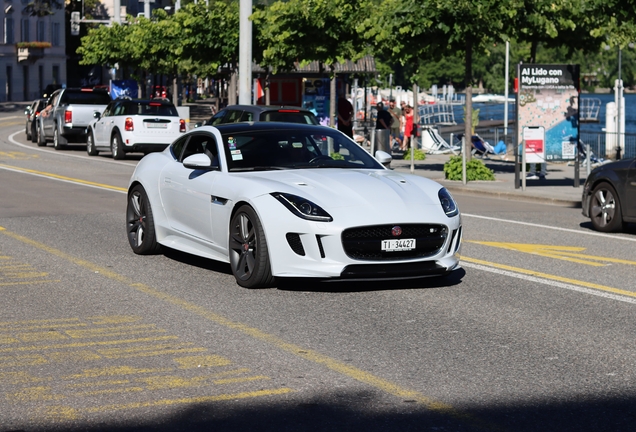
x=448, y=203
x=302, y=207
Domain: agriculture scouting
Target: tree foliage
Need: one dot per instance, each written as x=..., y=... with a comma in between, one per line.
x=300, y=31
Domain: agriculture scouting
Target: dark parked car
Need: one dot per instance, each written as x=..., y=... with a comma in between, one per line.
x=609, y=195
x=259, y=113
x=32, y=112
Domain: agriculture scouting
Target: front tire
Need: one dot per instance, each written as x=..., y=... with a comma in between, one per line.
x=605, y=209
x=27, y=131
x=140, y=224
x=34, y=133
x=249, y=255
x=90, y=144
x=116, y=146
x=57, y=144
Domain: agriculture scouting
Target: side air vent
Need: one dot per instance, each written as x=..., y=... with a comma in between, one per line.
x=322, y=249
x=295, y=243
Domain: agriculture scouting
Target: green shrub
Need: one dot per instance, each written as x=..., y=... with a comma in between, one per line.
x=475, y=170
x=417, y=155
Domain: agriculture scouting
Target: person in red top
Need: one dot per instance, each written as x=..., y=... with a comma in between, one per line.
x=408, y=128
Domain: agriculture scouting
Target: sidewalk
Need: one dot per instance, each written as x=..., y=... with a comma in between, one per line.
x=558, y=187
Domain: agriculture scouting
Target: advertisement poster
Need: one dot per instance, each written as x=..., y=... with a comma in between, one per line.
x=316, y=98
x=549, y=99
x=534, y=139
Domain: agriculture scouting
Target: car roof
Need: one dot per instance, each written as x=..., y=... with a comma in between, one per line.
x=161, y=101
x=271, y=126
x=262, y=108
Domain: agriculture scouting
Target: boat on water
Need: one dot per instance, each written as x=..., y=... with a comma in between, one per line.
x=492, y=98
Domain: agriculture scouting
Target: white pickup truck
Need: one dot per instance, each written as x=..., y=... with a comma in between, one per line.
x=67, y=115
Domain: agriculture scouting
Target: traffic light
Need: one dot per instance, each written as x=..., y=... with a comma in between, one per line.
x=75, y=23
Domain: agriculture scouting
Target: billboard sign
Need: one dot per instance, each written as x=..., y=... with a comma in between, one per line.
x=548, y=111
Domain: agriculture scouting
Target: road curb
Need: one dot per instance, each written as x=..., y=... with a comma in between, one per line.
x=513, y=196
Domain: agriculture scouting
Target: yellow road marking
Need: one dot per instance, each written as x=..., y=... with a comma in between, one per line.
x=28, y=282
x=307, y=354
x=18, y=155
x=566, y=253
x=61, y=177
x=87, y=344
x=550, y=277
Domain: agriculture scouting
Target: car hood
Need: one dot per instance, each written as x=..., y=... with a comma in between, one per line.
x=340, y=188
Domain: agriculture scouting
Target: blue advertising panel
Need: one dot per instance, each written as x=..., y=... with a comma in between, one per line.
x=119, y=88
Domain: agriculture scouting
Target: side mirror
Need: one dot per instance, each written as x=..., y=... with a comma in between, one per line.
x=383, y=157
x=200, y=161
x=198, y=124
x=97, y=115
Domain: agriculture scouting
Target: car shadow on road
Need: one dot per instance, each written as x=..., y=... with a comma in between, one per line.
x=344, y=286
x=630, y=228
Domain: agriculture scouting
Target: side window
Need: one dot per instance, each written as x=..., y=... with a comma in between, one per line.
x=217, y=118
x=177, y=147
x=233, y=116
x=202, y=143
x=109, y=109
x=119, y=109
x=247, y=116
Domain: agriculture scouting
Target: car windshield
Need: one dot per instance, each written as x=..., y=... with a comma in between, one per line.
x=289, y=116
x=294, y=149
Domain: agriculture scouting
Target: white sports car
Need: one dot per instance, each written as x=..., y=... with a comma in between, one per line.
x=282, y=200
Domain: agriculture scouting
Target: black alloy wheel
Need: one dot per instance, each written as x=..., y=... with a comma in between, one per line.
x=605, y=209
x=140, y=225
x=249, y=256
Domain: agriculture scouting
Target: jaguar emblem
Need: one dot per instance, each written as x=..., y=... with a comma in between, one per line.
x=396, y=231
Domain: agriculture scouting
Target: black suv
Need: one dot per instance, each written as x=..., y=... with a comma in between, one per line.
x=259, y=113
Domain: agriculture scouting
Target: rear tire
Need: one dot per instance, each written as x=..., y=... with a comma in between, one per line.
x=140, y=224
x=249, y=255
x=57, y=144
x=605, y=209
x=41, y=140
x=116, y=146
x=90, y=145
x=27, y=131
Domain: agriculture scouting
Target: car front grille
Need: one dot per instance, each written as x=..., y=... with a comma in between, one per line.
x=365, y=243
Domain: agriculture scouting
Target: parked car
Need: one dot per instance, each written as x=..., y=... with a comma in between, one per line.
x=134, y=125
x=258, y=113
x=32, y=112
x=67, y=115
x=283, y=200
x=609, y=195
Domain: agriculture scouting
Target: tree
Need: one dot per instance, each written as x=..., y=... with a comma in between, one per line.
x=409, y=30
x=296, y=32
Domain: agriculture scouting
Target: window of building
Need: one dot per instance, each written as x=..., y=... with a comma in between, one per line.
x=56, y=74
x=8, y=31
x=41, y=31
x=55, y=34
x=26, y=31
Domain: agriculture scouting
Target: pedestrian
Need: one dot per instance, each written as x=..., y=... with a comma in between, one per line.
x=383, y=119
x=396, y=124
x=408, y=128
x=345, y=117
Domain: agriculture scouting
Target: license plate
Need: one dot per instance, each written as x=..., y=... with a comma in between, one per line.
x=395, y=245
x=157, y=125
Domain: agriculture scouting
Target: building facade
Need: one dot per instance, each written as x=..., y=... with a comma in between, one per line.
x=32, y=52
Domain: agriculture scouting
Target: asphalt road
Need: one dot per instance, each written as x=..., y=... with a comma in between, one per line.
x=535, y=333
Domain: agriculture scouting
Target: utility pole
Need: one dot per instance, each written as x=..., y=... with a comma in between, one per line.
x=245, y=52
